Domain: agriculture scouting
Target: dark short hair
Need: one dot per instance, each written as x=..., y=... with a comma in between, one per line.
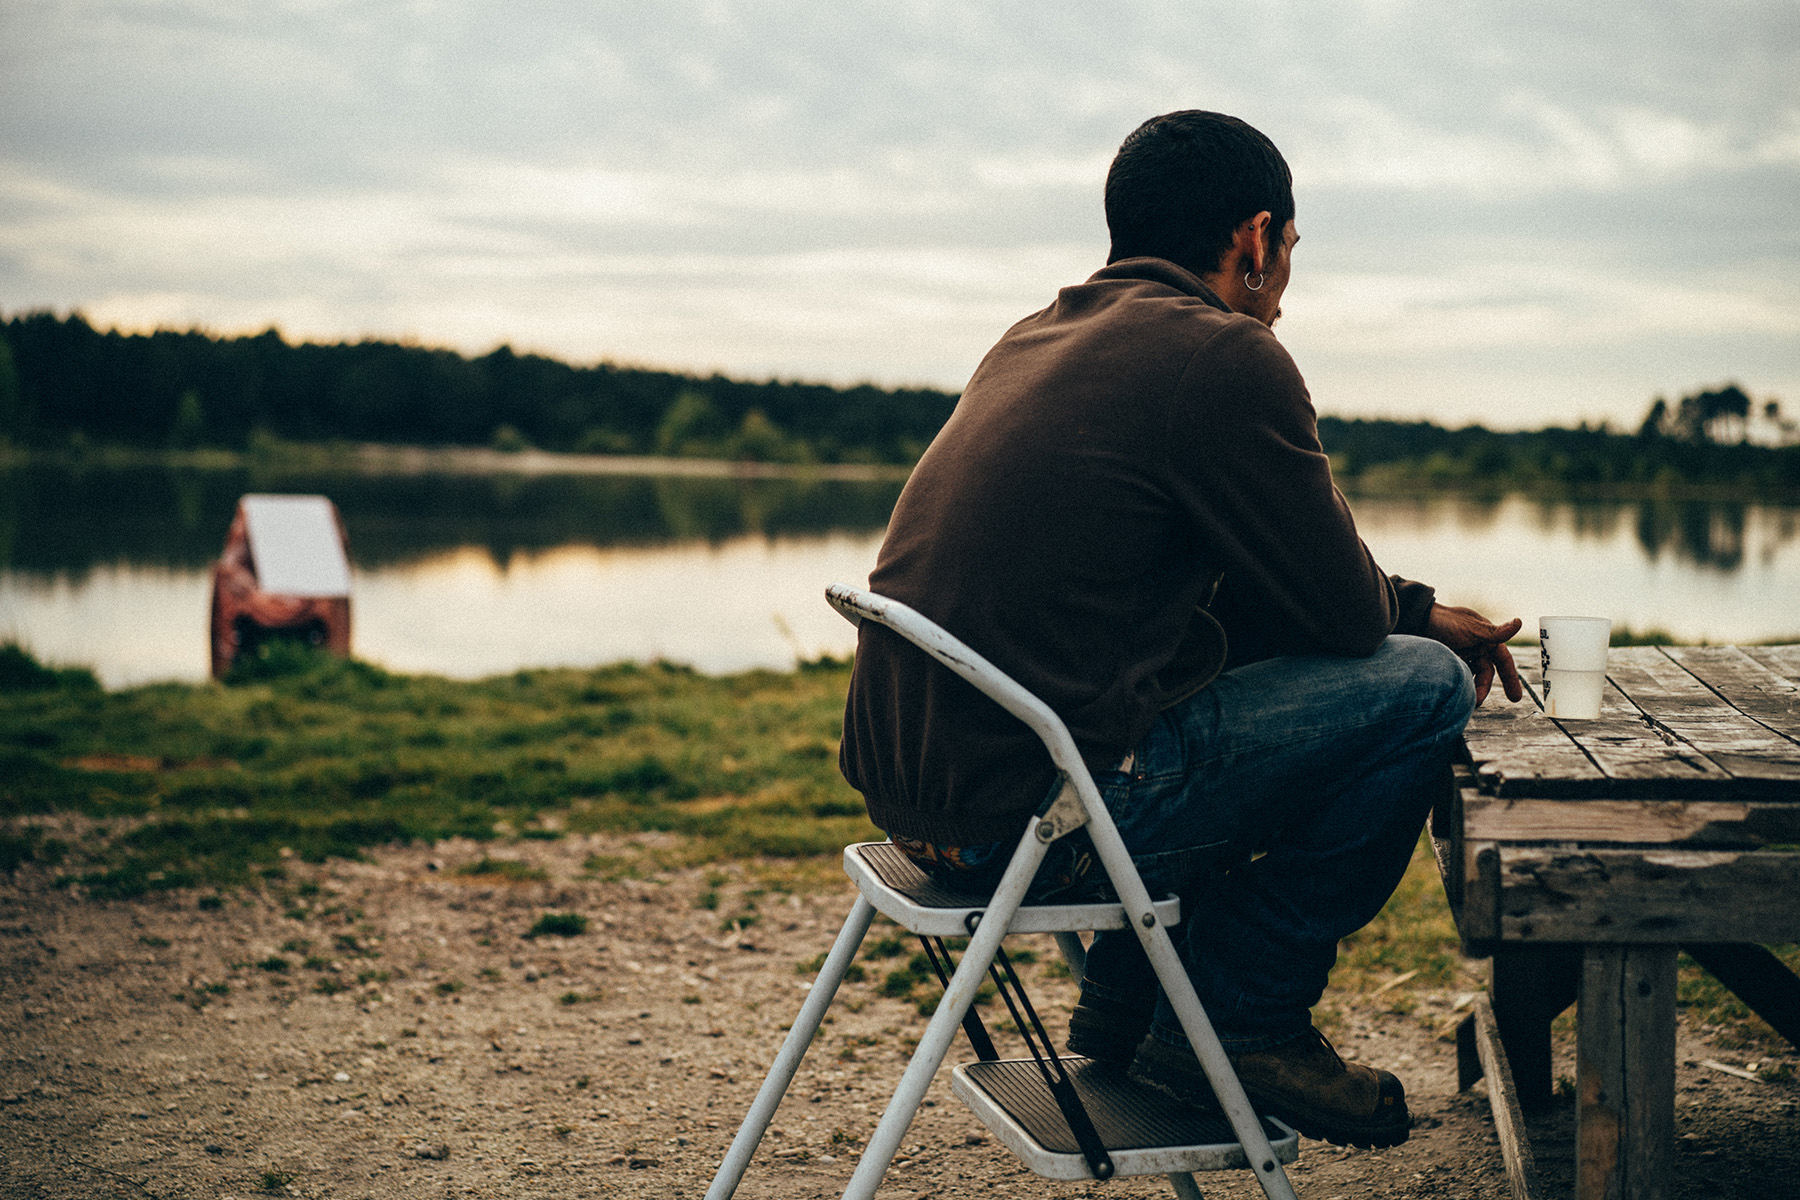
x=1183, y=182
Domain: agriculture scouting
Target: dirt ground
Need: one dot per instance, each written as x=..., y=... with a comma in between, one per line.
x=153, y=1049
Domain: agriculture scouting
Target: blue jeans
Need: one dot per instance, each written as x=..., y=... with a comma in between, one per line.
x=1281, y=804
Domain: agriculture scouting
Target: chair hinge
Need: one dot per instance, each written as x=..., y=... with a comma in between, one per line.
x=1065, y=814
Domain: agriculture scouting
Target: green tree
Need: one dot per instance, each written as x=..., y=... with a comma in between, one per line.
x=12, y=408
x=690, y=424
x=1714, y=416
x=509, y=440
x=759, y=439
x=189, y=426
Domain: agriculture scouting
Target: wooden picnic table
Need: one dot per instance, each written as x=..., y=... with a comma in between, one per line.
x=1582, y=855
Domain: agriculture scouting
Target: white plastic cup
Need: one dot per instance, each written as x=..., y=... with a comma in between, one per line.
x=1573, y=695
x=1574, y=643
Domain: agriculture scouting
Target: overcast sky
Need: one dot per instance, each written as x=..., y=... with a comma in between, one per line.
x=1514, y=213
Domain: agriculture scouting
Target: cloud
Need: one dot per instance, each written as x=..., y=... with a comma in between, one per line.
x=1508, y=304
x=855, y=189
x=1535, y=147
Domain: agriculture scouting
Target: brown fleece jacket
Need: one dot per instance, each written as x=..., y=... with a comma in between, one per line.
x=1110, y=458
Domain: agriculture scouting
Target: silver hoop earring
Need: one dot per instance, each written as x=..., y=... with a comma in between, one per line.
x=1261, y=278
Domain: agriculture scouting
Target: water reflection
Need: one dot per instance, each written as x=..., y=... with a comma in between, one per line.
x=1709, y=534
x=471, y=575
x=61, y=521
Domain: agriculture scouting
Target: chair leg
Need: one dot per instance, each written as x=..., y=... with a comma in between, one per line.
x=787, y=1062
x=1074, y=953
x=1219, y=1071
x=928, y=1055
x=1185, y=1187
x=1180, y=990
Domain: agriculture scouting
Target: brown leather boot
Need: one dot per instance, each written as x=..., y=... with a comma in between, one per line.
x=1302, y=1083
x=1107, y=1030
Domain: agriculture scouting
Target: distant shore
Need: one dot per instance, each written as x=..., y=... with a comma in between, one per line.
x=377, y=458
x=275, y=457
x=475, y=460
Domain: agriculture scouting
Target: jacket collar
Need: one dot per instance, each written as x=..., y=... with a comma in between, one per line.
x=1159, y=270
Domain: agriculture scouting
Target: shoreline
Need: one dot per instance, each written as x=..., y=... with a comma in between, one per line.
x=378, y=458
x=382, y=458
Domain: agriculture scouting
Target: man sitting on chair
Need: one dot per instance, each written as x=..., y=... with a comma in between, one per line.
x=1129, y=512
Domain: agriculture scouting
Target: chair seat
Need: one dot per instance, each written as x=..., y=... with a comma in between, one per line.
x=912, y=899
x=1143, y=1130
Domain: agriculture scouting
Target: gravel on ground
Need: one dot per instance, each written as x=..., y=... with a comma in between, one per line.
x=390, y=1028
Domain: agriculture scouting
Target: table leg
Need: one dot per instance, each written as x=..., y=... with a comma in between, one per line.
x=1530, y=986
x=1625, y=1073
x=1759, y=979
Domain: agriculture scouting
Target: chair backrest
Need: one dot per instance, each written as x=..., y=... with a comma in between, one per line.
x=857, y=605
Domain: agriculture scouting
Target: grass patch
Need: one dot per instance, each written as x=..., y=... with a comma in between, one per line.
x=1413, y=932
x=887, y=947
x=1710, y=1004
x=558, y=925
x=28, y=844
x=20, y=672
x=306, y=757
x=505, y=870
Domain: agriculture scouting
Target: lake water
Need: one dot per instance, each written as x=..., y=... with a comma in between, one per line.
x=473, y=575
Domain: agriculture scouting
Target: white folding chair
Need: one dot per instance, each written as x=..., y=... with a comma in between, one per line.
x=1026, y=1103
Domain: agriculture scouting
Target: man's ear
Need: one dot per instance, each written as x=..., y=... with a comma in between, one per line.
x=1252, y=240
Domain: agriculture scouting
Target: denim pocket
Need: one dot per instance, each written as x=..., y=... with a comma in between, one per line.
x=1160, y=756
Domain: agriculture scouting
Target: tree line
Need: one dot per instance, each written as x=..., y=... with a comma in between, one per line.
x=1703, y=439
x=64, y=383
x=62, y=379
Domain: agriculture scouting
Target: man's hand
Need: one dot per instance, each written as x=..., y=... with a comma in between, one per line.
x=1481, y=644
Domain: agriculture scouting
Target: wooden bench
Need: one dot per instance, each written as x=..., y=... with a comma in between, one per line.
x=1582, y=855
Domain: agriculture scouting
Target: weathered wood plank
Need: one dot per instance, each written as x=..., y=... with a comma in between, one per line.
x=1638, y=759
x=1478, y=920
x=1746, y=684
x=1625, y=1074
x=1696, y=824
x=1781, y=660
x=1668, y=694
x=1503, y=1100
x=1468, y=1057
x=1552, y=894
x=1449, y=865
x=1517, y=751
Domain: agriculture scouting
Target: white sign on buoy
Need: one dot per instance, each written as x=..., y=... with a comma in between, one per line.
x=295, y=549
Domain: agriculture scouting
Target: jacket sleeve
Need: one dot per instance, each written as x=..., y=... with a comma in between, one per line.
x=1244, y=451
x=1416, y=600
